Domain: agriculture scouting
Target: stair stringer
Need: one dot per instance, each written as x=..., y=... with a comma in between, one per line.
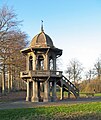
x=70, y=86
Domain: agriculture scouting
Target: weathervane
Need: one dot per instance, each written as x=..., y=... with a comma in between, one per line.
x=42, y=25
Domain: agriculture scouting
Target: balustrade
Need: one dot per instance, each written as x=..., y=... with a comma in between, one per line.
x=39, y=73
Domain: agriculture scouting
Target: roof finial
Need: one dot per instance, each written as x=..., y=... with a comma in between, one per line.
x=42, y=25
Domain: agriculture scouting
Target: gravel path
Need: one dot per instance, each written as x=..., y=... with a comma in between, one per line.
x=24, y=104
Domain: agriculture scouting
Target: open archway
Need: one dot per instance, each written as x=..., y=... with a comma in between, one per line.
x=30, y=63
x=40, y=63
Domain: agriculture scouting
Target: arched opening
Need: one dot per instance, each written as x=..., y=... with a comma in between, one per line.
x=51, y=63
x=30, y=63
x=40, y=63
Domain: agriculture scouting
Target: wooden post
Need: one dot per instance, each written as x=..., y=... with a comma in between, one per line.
x=54, y=90
x=46, y=91
x=27, y=97
x=27, y=62
x=35, y=92
x=62, y=93
x=69, y=93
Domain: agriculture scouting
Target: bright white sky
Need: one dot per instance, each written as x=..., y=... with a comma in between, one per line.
x=73, y=25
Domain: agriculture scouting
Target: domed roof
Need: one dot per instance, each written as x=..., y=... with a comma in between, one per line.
x=41, y=40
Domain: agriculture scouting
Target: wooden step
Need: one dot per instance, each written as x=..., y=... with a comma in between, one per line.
x=68, y=86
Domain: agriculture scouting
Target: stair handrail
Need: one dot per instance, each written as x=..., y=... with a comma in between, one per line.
x=71, y=84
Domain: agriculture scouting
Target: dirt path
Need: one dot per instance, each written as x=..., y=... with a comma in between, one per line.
x=24, y=104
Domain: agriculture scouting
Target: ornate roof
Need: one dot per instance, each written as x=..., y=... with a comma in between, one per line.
x=41, y=40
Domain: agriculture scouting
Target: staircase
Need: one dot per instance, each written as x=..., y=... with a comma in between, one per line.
x=68, y=86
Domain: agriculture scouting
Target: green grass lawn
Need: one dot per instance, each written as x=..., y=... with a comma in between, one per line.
x=81, y=95
x=96, y=95
x=85, y=111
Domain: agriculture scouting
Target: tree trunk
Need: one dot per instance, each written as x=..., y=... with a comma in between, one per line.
x=3, y=80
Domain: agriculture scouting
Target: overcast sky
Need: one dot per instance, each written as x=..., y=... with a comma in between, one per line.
x=73, y=25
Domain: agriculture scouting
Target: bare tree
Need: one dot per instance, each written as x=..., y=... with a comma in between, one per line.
x=12, y=40
x=90, y=74
x=69, y=72
x=74, y=70
x=97, y=68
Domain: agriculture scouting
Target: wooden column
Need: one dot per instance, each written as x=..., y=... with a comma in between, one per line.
x=27, y=97
x=68, y=92
x=39, y=95
x=34, y=62
x=62, y=93
x=27, y=62
x=46, y=91
x=35, y=92
x=54, y=90
x=54, y=63
x=46, y=62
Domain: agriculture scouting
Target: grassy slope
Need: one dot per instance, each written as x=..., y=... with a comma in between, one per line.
x=85, y=111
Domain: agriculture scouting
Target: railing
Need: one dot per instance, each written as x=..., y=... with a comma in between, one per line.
x=71, y=84
x=39, y=73
x=25, y=74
